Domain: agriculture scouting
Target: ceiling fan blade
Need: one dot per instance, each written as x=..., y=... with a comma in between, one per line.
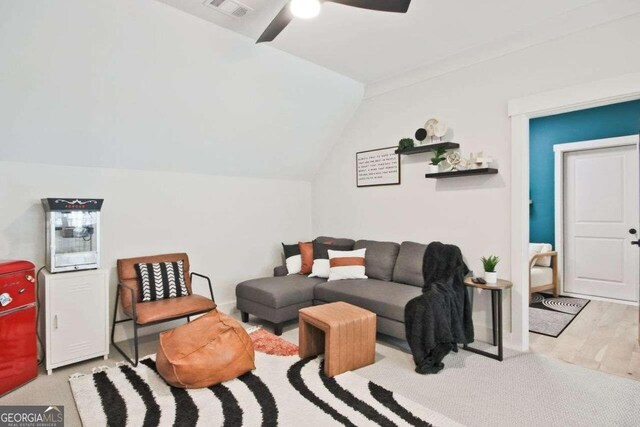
x=278, y=24
x=400, y=6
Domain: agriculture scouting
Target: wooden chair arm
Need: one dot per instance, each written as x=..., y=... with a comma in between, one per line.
x=535, y=257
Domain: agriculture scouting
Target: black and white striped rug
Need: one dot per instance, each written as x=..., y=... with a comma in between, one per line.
x=282, y=391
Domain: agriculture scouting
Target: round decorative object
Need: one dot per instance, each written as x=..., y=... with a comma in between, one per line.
x=430, y=126
x=439, y=130
x=453, y=158
x=421, y=134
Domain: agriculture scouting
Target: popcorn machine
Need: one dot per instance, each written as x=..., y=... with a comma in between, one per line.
x=72, y=233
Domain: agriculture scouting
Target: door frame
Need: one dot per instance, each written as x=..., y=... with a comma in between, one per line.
x=521, y=110
x=559, y=151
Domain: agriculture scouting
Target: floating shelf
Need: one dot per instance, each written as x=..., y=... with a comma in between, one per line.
x=428, y=147
x=468, y=172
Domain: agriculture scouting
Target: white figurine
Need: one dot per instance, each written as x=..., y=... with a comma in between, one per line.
x=479, y=160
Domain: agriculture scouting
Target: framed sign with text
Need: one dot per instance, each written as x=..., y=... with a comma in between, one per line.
x=378, y=167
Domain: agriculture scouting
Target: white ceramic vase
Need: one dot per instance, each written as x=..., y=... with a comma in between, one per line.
x=433, y=168
x=491, y=278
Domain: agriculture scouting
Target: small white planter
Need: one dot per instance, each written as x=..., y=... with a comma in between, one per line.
x=433, y=168
x=491, y=278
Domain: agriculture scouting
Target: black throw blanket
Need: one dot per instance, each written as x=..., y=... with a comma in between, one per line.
x=439, y=319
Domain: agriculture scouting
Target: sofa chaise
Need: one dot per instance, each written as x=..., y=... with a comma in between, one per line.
x=394, y=274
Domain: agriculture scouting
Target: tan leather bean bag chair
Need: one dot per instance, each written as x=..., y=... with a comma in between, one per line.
x=212, y=349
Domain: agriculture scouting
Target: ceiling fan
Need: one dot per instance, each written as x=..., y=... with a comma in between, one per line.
x=310, y=8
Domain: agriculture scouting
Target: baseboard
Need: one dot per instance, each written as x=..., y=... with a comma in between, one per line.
x=124, y=331
x=228, y=307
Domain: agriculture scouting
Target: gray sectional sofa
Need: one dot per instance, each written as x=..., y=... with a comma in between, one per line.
x=394, y=277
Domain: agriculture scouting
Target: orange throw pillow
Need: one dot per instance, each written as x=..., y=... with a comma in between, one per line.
x=306, y=254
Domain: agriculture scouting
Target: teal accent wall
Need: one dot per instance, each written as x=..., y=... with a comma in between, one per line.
x=584, y=125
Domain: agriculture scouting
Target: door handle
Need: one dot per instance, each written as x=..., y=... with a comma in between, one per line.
x=55, y=322
x=636, y=242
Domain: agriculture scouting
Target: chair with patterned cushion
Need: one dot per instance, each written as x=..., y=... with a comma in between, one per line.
x=147, y=313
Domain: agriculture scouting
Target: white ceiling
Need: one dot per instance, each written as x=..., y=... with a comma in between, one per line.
x=371, y=46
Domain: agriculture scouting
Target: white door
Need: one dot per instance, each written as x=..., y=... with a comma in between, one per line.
x=600, y=207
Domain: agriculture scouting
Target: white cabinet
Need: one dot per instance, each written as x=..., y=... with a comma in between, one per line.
x=74, y=316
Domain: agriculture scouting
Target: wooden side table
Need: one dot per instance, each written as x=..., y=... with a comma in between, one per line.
x=345, y=333
x=496, y=311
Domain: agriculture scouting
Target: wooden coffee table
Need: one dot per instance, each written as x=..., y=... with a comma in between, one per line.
x=345, y=333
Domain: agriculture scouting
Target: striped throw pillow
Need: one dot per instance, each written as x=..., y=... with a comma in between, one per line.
x=347, y=264
x=161, y=280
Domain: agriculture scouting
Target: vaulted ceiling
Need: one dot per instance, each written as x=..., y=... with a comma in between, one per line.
x=140, y=85
x=143, y=85
x=371, y=46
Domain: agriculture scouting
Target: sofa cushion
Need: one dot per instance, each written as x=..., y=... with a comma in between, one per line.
x=161, y=280
x=347, y=265
x=154, y=311
x=277, y=292
x=381, y=257
x=306, y=257
x=386, y=299
x=408, y=268
x=292, y=258
x=536, y=248
x=336, y=241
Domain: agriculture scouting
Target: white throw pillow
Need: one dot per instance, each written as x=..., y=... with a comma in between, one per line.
x=294, y=264
x=320, y=268
x=347, y=264
x=536, y=248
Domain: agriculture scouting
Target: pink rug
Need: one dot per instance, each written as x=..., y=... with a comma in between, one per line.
x=268, y=343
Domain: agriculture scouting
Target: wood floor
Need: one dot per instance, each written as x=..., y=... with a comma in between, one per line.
x=604, y=336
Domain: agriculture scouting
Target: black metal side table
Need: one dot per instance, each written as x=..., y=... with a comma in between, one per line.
x=496, y=311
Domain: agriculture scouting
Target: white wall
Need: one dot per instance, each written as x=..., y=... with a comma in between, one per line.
x=129, y=88
x=137, y=84
x=230, y=227
x=472, y=212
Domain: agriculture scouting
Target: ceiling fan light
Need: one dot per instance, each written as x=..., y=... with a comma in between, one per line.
x=305, y=9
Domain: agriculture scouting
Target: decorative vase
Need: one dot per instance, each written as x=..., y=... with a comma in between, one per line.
x=433, y=168
x=491, y=277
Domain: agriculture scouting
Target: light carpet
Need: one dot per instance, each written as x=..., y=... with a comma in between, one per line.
x=526, y=389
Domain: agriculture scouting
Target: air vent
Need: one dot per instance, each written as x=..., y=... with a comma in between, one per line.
x=229, y=7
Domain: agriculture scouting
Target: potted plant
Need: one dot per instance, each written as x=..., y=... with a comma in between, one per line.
x=405, y=143
x=489, y=263
x=438, y=157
